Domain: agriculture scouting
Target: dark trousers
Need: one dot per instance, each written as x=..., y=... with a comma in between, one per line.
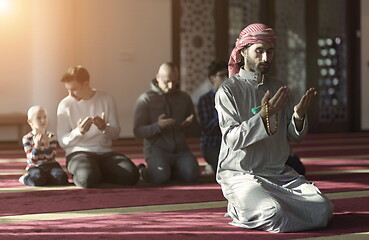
x=90, y=169
x=211, y=155
x=163, y=167
x=46, y=174
x=294, y=162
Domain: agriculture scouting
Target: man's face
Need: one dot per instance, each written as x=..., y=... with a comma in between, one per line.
x=258, y=57
x=39, y=121
x=76, y=89
x=167, y=80
x=219, y=78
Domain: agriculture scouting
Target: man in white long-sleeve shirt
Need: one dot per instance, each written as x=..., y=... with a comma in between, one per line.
x=257, y=121
x=87, y=124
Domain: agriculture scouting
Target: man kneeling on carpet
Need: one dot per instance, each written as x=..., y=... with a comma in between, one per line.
x=164, y=116
x=258, y=119
x=87, y=125
x=40, y=147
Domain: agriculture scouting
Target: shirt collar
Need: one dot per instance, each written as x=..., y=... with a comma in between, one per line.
x=157, y=89
x=251, y=76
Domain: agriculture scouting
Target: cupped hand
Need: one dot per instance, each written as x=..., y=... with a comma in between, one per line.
x=305, y=102
x=85, y=124
x=187, y=121
x=276, y=103
x=37, y=140
x=100, y=122
x=165, y=122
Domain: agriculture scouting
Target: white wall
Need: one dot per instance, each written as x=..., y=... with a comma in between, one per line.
x=52, y=45
x=15, y=59
x=121, y=42
x=364, y=64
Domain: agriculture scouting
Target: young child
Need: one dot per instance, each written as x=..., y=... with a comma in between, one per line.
x=40, y=147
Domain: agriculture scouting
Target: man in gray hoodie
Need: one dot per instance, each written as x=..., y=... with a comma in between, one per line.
x=164, y=116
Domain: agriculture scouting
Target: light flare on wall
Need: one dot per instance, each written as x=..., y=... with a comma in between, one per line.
x=5, y=6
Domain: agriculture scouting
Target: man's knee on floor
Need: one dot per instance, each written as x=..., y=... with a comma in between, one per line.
x=159, y=179
x=188, y=174
x=325, y=212
x=158, y=176
x=86, y=179
x=129, y=172
x=189, y=177
x=271, y=211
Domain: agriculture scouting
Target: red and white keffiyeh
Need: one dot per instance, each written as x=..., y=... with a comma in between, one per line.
x=253, y=33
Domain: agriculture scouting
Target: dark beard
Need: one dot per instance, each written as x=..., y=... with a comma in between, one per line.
x=254, y=67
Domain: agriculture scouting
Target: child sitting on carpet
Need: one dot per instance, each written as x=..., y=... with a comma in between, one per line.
x=40, y=147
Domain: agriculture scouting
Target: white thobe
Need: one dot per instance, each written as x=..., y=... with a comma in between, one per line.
x=262, y=192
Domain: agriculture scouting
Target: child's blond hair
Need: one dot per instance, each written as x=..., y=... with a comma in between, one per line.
x=33, y=110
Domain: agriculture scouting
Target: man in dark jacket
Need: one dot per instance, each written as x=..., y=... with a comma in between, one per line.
x=163, y=117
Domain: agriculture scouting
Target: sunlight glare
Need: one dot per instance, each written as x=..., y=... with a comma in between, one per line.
x=4, y=5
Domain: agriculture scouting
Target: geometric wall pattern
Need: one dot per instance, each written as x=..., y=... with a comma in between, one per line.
x=332, y=62
x=241, y=13
x=197, y=41
x=331, y=86
x=197, y=47
x=290, y=52
x=197, y=35
x=289, y=63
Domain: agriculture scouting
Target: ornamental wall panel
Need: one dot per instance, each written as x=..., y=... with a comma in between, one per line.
x=197, y=42
x=290, y=52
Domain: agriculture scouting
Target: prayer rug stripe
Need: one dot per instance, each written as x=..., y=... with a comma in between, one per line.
x=34, y=189
x=205, y=224
x=351, y=236
x=144, y=209
x=335, y=172
x=327, y=148
x=110, y=211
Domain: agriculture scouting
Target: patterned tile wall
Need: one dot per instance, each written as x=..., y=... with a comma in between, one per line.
x=241, y=13
x=290, y=55
x=197, y=46
x=197, y=41
x=332, y=62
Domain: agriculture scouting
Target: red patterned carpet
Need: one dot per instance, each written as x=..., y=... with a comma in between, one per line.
x=337, y=163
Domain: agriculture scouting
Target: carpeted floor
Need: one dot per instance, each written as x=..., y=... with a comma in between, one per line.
x=337, y=163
